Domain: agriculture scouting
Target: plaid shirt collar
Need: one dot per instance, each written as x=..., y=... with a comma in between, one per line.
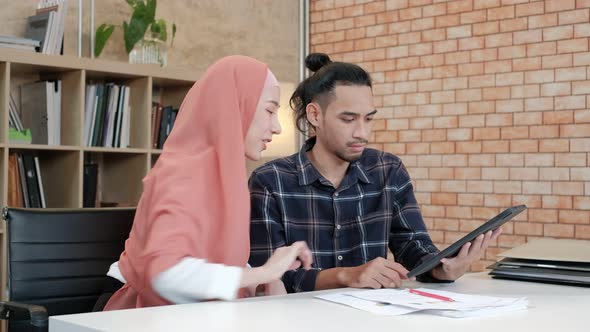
x=307, y=173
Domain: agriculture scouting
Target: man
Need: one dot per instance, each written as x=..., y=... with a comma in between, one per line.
x=348, y=202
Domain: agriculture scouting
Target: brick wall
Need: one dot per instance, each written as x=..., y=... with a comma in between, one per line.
x=486, y=102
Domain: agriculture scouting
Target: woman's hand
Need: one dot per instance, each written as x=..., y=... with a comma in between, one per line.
x=275, y=288
x=288, y=258
x=282, y=260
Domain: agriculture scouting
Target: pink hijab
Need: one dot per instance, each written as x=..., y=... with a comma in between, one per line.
x=195, y=201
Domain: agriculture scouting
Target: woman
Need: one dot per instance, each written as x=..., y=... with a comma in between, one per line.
x=189, y=240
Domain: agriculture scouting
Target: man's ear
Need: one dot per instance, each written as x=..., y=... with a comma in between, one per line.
x=313, y=112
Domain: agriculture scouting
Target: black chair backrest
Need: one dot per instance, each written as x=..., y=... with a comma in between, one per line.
x=58, y=258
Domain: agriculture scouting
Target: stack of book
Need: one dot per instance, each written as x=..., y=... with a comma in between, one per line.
x=25, y=181
x=559, y=261
x=163, y=118
x=47, y=26
x=17, y=43
x=107, y=115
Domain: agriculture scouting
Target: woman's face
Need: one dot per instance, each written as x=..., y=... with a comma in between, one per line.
x=265, y=122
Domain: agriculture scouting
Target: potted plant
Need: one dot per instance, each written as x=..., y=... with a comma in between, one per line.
x=145, y=36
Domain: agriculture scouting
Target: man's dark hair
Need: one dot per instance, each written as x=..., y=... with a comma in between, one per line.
x=320, y=86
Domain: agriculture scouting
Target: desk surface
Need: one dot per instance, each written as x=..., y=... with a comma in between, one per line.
x=551, y=308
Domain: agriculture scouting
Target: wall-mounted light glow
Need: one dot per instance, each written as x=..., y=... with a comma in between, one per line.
x=286, y=143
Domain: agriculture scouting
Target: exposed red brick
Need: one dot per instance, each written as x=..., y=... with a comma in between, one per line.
x=486, y=102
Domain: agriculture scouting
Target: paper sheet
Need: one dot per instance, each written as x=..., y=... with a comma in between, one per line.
x=401, y=302
x=370, y=306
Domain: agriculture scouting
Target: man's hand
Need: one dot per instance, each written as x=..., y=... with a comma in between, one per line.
x=378, y=273
x=453, y=268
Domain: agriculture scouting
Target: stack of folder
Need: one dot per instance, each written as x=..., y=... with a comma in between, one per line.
x=556, y=261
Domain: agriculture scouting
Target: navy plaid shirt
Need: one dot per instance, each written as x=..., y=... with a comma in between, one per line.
x=373, y=208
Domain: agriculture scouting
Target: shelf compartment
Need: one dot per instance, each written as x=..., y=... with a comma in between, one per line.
x=60, y=175
x=166, y=94
x=120, y=176
x=71, y=98
x=139, y=103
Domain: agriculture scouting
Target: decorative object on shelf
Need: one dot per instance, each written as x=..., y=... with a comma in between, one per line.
x=20, y=136
x=92, y=28
x=145, y=36
x=80, y=14
x=81, y=27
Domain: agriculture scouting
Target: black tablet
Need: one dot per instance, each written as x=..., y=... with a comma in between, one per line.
x=453, y=249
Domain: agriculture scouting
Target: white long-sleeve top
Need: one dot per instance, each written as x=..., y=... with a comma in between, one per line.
x=192, y=280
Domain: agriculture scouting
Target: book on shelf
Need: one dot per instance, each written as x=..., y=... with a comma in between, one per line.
x=156, y=111
x=18, y=47
x=90, y=183
x=40, y=182
x=163, y=118
x=100, y=115
x=47, y=26
x=19, y=41
x=14, y=120
x=123, y=119
x=106, y=115
x=37, y=29
x=41, y=111
x=15, y=194
x=25, y=183
x=31, y=178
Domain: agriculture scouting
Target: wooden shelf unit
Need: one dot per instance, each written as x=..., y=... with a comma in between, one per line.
x=121, y=170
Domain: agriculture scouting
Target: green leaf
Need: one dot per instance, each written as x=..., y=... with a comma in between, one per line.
x=151, y=9
x=159, y=30
x=173, y=34
x=103, y=33
x=133, y=3
x=143, y=15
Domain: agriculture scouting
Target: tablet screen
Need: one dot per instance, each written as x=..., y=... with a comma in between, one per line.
x=491, y=224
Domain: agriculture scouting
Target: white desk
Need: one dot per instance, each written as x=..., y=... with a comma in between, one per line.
x=551, y=308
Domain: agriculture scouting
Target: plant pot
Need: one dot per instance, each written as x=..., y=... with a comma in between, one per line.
x=149, y=50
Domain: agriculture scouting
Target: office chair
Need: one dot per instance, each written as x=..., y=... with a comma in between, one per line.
x=57, y=261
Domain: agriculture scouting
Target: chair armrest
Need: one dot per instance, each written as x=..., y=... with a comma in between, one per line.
x=38, y=314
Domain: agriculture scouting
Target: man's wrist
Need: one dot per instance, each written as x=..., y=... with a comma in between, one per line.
x=344, y=276
x=337, y=277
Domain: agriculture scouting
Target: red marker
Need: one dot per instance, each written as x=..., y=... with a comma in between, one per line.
x=434, y=296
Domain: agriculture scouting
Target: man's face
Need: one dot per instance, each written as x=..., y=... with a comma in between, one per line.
x=346, y=123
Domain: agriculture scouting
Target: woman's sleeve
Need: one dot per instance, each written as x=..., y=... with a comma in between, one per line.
x=193, y=279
